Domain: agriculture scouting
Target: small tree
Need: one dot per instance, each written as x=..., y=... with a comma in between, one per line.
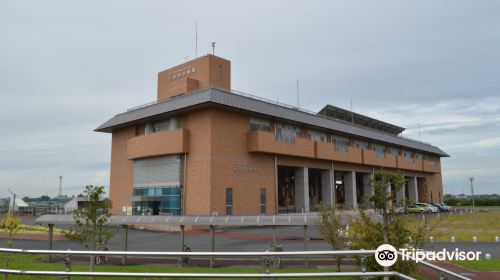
x=367, y=233
x=10, y=225
x=91, y=218
x=330, y=229
x=384, y=185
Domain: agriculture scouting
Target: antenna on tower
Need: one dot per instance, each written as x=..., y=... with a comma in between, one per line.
x=60, y=187
x=352, y=114
x=213, y=48
x=298, y=96
x=196, y=41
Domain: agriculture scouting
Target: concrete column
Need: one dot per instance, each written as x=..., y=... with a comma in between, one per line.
x=400, y=197
x=412, y=189
x=302, y=189
x=350, y=190
x=327, y=187
x=367, y=189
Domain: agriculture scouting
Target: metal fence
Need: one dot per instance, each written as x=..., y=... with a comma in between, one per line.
x=263, y=256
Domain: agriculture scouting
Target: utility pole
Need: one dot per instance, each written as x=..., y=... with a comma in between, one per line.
x=13, y=201
x=471, y=178
x=60, y=187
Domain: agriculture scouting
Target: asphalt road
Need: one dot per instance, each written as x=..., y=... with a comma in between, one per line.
x=232, y=239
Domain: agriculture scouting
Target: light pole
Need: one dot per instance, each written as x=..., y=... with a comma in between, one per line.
x=13, y=201
x=471, y=178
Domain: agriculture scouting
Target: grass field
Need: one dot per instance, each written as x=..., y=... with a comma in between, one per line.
x=32, y=262
x=483, y=225
x=481, y=265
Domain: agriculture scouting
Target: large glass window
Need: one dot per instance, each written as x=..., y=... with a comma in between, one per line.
x=379, y=150
x=157, y=201
x=229, y=201
x=259, y=125
x=362, y=145
x=263, y=201
x=171, y=123
x=395, y=151
x=340, y=143
x=317, y=135
x=408, y=156
x=286, y=133
x=419, y=156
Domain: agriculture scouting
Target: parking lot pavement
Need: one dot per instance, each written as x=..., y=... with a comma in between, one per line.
x=484, y=247
x=232, y=239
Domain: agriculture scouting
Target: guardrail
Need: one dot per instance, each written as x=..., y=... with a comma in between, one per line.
x=265, y=256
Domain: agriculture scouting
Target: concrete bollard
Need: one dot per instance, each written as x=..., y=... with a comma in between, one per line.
x=497, y=239
x=461, y=213
x=474, y=239
x=453, y=239
x=487, y=256
x=431, y=238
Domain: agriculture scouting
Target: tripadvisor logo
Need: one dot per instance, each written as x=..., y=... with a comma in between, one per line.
x=387, y=255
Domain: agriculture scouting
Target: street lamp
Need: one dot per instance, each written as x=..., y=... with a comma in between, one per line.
x=471, y=178
x=13, y=201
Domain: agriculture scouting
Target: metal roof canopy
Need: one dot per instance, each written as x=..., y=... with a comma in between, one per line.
x=303, y=220
x=349, y=116
x=277, y=220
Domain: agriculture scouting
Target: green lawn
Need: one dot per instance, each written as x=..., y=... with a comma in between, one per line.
x=483, y=225
x=34, y=262
x=480, y=265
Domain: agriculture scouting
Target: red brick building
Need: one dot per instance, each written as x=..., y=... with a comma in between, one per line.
x=202, y=149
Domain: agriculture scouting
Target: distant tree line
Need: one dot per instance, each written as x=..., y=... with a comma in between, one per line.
x=478, y=201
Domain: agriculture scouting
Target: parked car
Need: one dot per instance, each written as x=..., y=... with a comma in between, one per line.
x=430, y=208
x=445, y=207
x=416, y=209
x=442, y=207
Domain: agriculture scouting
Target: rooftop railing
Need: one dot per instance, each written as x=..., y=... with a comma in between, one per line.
x=277, y=103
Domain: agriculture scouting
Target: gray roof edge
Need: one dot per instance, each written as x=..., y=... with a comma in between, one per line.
x=275, y=110
x=246, y=103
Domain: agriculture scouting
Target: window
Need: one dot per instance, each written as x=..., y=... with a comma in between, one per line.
x=286, y=133
x=433, y=161
x=419, y=156
x=317, y=136
x=263, y=201
x=408, y=155
x=362, y=145
x=259, y=125
x=229, y=201
x=395, y=151
x=340, y=143
x=162, y=125
x=379, y=150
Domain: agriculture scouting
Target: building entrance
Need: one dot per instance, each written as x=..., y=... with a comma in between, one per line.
x=286, y=190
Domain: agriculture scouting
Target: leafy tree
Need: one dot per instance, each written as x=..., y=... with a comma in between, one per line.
x=91, y=218
x=397, y=230
x=10, y=225
x=44, y=198
x=330, y=229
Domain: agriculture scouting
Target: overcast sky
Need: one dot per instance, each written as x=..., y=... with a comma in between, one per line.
x=68, y=66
